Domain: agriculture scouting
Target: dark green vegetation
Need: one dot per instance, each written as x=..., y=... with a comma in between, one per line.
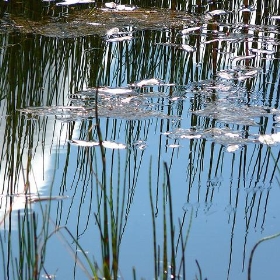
x=190, y=187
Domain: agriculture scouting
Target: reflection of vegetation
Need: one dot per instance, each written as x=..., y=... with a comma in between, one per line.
x=254, y=249
x=26, y=247
x=41, y=70
x=169, y=259
x=267, y=238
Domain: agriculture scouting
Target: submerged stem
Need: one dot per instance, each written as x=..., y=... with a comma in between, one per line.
x=254, y=249
x=153, y=221
x=105, y=234
x=172, y=229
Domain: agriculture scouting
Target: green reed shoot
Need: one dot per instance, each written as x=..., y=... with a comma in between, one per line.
x=276, y=167
x=170, y=245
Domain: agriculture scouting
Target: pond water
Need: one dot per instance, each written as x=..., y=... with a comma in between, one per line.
x=139, y=140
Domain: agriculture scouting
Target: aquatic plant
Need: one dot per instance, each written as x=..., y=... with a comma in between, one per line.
x=169, y=258
x=217, y=96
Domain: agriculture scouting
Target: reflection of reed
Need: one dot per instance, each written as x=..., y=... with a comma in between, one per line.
x=43, y=71
x=33, y=75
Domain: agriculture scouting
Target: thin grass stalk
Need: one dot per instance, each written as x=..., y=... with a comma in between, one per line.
x=183, y=255
x=58, y=233
x=199, y=269
x=20, y=262
x=114, y=223
x=265, y=238
x=172, y=229
x=45, y=231
x=36, y=260
x=184, y=245
x=121, y=226
x=153, y=221
x=119, y=215
x=254, y=249
x=29, y=246
x=133, y=273
x=158, y=260
x=105, y=235
x=3, y=257
x=165, y=258
x=27, y=263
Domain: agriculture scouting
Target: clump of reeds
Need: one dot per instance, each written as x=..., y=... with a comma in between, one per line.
x=171, y=253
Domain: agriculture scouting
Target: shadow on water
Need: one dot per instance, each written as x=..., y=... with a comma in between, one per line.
x=139, y=139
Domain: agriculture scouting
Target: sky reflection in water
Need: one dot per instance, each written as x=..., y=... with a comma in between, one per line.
x=201, y=96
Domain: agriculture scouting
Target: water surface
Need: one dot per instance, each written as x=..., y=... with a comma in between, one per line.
x=187, y=94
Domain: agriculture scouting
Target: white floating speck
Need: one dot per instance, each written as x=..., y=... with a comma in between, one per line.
x=275, y=17
x=73, y=2
x=84, y=143
x=113, y=145
x=249, y=9
x=190, y=29
x=270, y=139
x=187, y=48
x=223, y=74
x=110, y=5
x=244, y=57
x=120, y=7
x=218, y=12
x=113, y=31
x=147, y=82
x=94, y=23
x=126, y=8
x=232, y=135
x=232, y=148
x=105, y=144
x=173, y=146
x=262, y=51
x=140, y=144
x=120, y=39
x=197, y=136
x=116, y=91
x=126, y=100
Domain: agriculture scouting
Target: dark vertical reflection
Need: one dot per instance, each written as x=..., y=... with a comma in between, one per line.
x=42, y=71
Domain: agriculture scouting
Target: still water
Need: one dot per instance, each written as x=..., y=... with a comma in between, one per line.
x=139, y=140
